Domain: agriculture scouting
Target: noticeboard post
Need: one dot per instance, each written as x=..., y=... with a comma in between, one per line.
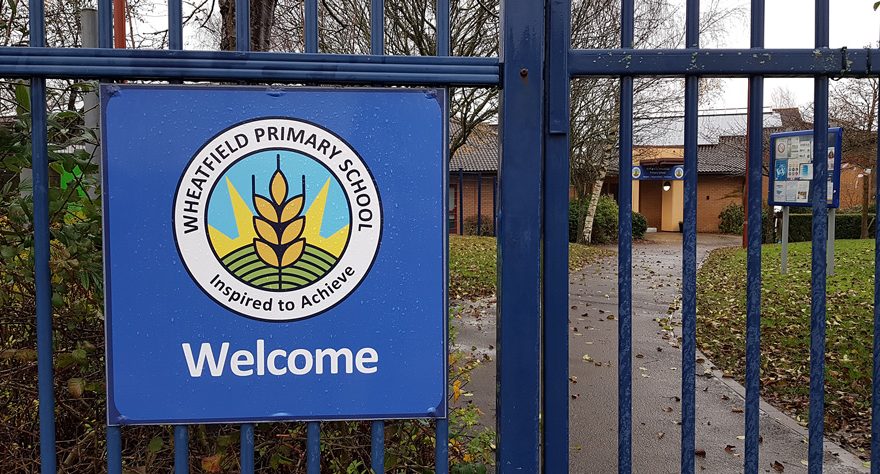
x=274, y=254
x=791, y=176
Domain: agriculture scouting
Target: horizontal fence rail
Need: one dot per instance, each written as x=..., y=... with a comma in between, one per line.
x=426, y=70
x=254, y=66
x=841, y=62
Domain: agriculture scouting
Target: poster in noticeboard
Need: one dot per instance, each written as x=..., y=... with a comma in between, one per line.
x=793, y=165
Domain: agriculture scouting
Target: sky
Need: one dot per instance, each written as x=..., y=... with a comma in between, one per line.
x=790, y=24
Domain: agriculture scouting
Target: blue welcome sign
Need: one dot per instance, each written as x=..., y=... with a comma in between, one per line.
x=274, y=254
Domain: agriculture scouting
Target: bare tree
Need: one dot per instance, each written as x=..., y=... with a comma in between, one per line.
x=783, y=98
x=410, y=29
x=853, y=106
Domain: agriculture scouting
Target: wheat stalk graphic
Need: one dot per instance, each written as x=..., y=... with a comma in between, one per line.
x=279, y=226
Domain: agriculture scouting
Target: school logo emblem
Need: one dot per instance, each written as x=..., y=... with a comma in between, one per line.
x=277, y=219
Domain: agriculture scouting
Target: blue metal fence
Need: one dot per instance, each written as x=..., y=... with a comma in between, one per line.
x=534, y=71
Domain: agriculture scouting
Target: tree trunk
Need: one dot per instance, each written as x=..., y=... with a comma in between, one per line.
x=591, y=208
x=262, y=17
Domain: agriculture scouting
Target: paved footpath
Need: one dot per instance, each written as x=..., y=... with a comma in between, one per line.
x=656, y=376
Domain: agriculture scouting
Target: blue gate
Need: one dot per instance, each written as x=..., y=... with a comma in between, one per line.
x=533, y=73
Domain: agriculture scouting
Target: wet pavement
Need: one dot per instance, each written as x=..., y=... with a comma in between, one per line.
x=656, y=375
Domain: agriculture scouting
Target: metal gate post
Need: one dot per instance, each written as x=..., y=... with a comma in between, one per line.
x=689, y=250
x=624, y=253
x=555, y=288
x=818, y=196
x=753, y=271
x=519, y=239
x=42, y=276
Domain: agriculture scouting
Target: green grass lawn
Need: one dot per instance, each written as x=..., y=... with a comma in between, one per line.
x=785, y=331
x=472, y=264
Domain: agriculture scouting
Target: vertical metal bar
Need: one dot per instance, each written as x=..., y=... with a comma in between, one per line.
x=495, y=205
x=377, y=27
x=242, y=25
x=181, y=449
x=753, y=270
x=753, y=276
x=479, y=203
x=460, y=202
x=818, y=192
x=519, y=240
x=42, y=277
x=105, y=40
x=105, y=23
x=442, y=27
x=875, y=379
x=175, y=24
x=441, y=430
x=624, y=256
x=441, y=446
x=783, y=256
x=247, y=448
x=114, y=450
x=377, y=448
x=829, y=249
x=313, y=447
x=689, y=250
x=311, y=21
x=555, y=288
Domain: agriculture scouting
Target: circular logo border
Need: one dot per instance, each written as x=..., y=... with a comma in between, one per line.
x=202, y=214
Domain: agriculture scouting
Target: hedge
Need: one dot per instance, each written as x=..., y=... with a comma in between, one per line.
x=846, y=226
x=487, y=225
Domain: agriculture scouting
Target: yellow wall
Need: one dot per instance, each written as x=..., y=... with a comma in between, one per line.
x=635, y=195
x=673, y=207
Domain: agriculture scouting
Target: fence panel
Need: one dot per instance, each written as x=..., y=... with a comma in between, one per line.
x=534, y=71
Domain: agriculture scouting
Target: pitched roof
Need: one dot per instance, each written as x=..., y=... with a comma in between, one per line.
x=721, y=146
x=728, y=157
x=479, y=152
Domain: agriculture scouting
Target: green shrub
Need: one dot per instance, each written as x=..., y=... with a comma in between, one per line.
x=576, y=208
x=731, y=219
x=639, y=225
x=605, y=221
x=846, y=226
x=731, y=222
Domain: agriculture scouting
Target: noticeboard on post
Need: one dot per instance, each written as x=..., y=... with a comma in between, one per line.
x=792, y=168
x=274, y=254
